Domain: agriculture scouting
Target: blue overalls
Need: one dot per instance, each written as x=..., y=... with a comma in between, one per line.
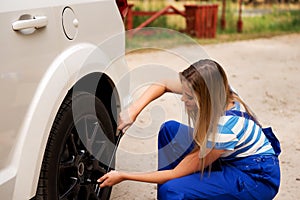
x=253, y=177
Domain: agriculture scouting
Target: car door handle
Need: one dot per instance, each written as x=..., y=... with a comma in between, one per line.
x=35, y=22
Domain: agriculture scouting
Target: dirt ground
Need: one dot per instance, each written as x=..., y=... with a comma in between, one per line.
x=263, y=71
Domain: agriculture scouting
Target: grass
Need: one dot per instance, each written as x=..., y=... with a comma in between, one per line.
x=258, y=21
x=276, y=21
x=222, y=38
x=157, y=38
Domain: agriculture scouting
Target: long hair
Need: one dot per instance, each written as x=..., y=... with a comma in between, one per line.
x=209, y=83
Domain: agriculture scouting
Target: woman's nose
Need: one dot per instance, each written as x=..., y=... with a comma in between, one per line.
x=183, y=98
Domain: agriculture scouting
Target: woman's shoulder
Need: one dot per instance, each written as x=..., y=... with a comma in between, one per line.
x=231, y=119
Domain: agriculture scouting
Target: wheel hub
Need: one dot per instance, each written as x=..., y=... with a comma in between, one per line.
x=80, y=169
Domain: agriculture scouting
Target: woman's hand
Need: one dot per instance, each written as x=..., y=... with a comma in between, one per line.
x=127, y=118
x=111, y=178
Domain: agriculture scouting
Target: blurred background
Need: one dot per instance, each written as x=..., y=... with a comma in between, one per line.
x=236, y=19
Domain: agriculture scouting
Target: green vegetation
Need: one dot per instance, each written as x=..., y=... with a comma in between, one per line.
x=150, y=6
x=277, y=21
x=264, y=20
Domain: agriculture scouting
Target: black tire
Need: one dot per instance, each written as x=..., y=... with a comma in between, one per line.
x=78, y=152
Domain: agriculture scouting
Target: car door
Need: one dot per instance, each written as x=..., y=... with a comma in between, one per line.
x=28, y=44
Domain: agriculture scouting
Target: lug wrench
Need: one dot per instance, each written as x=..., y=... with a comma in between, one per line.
x=98, y=189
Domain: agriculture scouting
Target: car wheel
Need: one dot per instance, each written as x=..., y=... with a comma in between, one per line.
x=78, y=152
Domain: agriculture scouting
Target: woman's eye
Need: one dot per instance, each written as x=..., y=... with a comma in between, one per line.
x=189, y=97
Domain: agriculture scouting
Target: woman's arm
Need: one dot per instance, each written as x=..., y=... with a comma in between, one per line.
x=154, y=91
x=190, y=164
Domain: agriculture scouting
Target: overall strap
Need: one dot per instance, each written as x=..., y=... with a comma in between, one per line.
x=239, y=113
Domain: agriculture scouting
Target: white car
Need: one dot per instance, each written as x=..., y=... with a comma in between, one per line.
x=61, y=67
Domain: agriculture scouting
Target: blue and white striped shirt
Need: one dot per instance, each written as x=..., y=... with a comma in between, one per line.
x=240, y=137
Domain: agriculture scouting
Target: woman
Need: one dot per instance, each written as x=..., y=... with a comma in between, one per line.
x=224, y=156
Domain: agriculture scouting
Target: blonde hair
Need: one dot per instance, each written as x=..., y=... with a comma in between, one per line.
x=212, y=94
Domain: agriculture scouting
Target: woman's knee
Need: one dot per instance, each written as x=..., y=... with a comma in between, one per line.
x=177, y=134
x=169, y=126
x=167, y=132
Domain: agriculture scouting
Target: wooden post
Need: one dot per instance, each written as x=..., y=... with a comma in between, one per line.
x=223, y=17
x=129, y=18
x=240, y=21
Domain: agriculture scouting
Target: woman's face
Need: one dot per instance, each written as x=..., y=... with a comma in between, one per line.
x=188, y=97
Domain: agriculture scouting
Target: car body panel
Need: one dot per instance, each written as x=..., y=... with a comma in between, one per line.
x=37, y=71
